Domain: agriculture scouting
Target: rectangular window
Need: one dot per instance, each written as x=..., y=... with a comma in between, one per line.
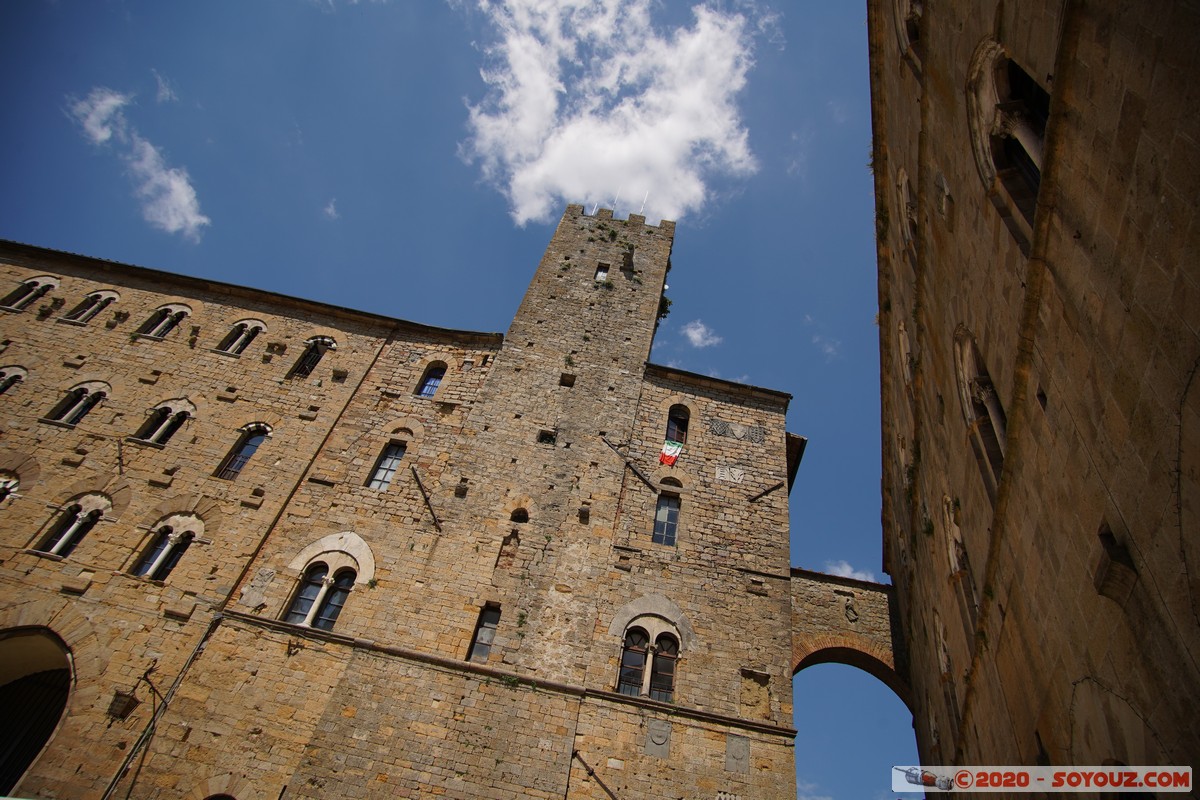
x=385, y=468
x=601, y=273
x=666, y=519
x=485, y=634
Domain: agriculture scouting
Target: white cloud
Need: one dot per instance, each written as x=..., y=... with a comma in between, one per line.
x=330, y=210
x=166, y=93
x=588, y=101
x=831, y=348
x=100, y=114
x=843, y=569
x=169, y=201
x=700, y=335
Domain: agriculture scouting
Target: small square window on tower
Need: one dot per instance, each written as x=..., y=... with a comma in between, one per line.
x=602, y=273
x=547, y=437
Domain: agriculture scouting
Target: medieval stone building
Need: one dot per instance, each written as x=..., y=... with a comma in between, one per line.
x=1037, y=167
x=259, y=547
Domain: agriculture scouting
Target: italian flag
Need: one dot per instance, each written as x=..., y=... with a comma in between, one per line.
x=670, y=452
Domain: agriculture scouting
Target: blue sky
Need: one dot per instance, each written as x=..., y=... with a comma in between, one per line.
x=410, y=159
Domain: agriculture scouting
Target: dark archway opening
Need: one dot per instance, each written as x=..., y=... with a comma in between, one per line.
x=35, y=682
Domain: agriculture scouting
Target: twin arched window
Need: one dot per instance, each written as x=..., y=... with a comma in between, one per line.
x=163, y=321
x=240, y=336
x=1007, y=111
x=29, y=292
x=314, y=349
x=164, y=421
x=74, y=523
x=648, y=669
x=78, y=403
x=10, y=377
x=170, y=541
x=252, y=436
x=319, y=598
x=90, y=306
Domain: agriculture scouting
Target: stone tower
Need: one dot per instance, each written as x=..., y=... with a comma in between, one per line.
x=1036, y=169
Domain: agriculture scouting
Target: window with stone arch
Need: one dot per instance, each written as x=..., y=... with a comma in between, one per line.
x=314, y=350
x=907, y=24
x=240, y=336
x=1007, y=112
x=73, y=523
x=169, y=539
x=666, y=512
x=982, y=411
x=251, y=438
x=164, y=320
x=10, y=376
x=387, y=464
x=327, y=570
x=677, y=423
x=91, y=305
x=431, y=379
x=78, y=402
x=29, y=292
x=649, y=656
x=165, y=420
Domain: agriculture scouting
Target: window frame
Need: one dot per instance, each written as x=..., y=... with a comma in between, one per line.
x=660, y=649
x=668, y=528
x=90, y=307
x=79, y=401
x=381, y=476
x=431, y=383
x=28, y=292
x=163, y=320
x=72, y=524
x=484, y=638
x=239, y=456
x=315, y=348
x=331, y=581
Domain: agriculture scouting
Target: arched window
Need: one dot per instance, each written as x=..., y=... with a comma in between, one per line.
x=1008, y=112
x=677, y=424
x=166, y=418
x=386, y=466
x=240, y=336
x=78, y=402
x=649, y=669
x=74, y=523
x=431, y=380
x=90, y=306
x=252, y=436
x=163, y=321
x=633, y=662
x=314, y=349
x=982, y=410
x=171, y=539
x=666, y=519
x=29, y=292
x=10, y=377
x=519, y=515
x=662, y=668
x=319, y=599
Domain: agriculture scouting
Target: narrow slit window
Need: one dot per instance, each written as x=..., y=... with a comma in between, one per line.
x=485, y=634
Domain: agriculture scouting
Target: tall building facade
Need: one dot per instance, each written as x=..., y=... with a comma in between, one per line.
x=1037, y=168
x=260, y=547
